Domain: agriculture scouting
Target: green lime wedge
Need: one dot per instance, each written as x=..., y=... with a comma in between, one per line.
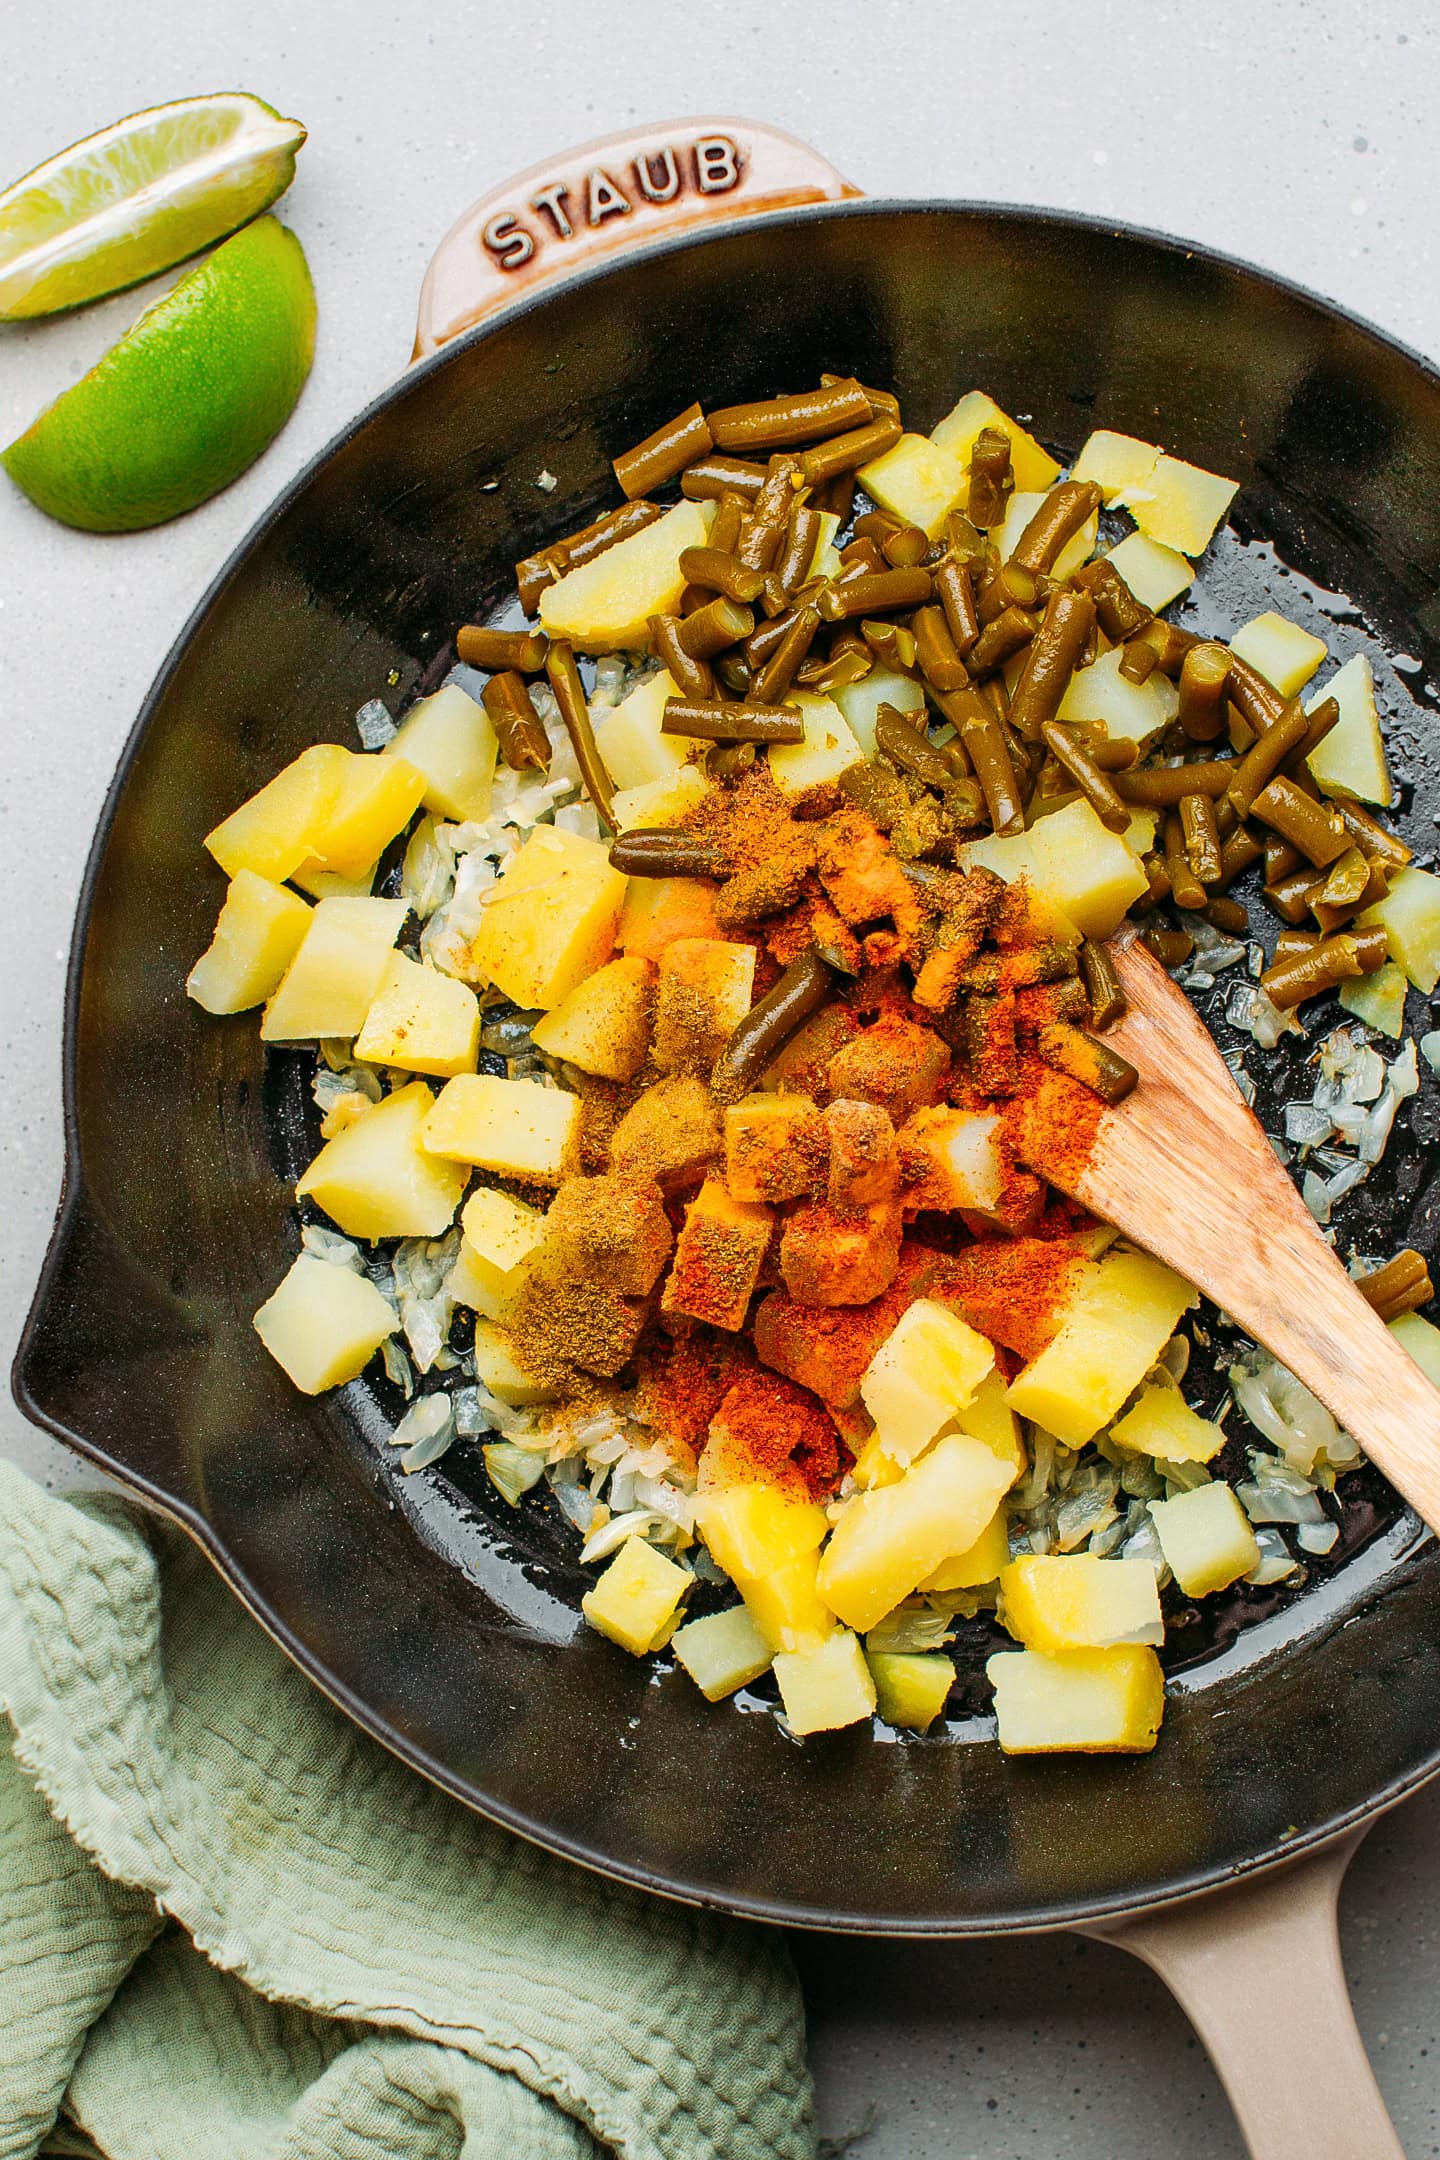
x=138, y=197
x=188, y=398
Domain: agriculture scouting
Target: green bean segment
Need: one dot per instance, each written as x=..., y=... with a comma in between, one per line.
x=718, y=722
x=800, y=990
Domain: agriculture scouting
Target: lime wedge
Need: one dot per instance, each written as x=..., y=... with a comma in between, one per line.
x=139, y=196
x=186, y=400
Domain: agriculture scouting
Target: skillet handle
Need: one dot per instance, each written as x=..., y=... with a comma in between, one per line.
x=1257, y=1970
x=605, y=199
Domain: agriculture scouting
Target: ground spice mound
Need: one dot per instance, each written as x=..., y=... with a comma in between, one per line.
x=768, y=1430
x=684, y=1380
x=829, y=1346
x=1050, y=1123
x=1011, y=1289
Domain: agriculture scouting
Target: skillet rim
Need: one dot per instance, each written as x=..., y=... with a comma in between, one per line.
x=71, y=1206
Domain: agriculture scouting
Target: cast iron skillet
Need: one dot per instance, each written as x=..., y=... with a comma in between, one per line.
x=444, y=1623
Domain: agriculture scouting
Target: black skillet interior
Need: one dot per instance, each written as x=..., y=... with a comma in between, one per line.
x=442, y=1620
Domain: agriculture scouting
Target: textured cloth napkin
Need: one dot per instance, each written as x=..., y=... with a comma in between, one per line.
x=233, y=1928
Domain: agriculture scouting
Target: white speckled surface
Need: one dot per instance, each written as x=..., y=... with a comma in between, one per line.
x=1297, y=133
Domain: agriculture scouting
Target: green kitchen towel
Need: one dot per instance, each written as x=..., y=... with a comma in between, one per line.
x=233, y=1928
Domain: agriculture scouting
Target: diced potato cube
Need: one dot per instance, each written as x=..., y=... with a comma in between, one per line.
x=1206, y=1538
x=979, y=1563
x=271, y=832
x=1162, y=1423
x=603, y=1024
x=324, y=1324
x=500, y=1236
x=1351, y=759
x=1011, y=856
x=828, y=750
x=1090, y=873
x=926, y=1370
x=331, y=885
x=258, y=933
x=1115, y=462
x=634, y=751
x=376, y=798
x=470, y=1284
x=659, y=910
x=873, y=1467
x=910, y=1686
x=671, y=1133
x=960, y=1153
x=333, y=980
x=704, y=991
x=825, y=562
x=827, y=1687
x=1281, y=651
x=718, y=1256
x=1421, y=1338
x=605, y=606
x=774, y=1147
x=517, y=1127
x=1021, y=507
x=1101, y=1702
x=613, y=1229
x=497, y=1368
x=1378, y=1000
x=1410, y=913
x=1118, y=1317
x=635, y=1599
x=449, y=738
x=376, y=1180
x=1131, y=712
x=722, y=1652
x=752, y=1531
x=917, y=480
x=421, y=1020
x=1033, y=467
x=859, y=702
x=1072, y=1601
x=1155, y=574
x=550, y=918
x=1180, y=505
x=988, y=1417
x=786, y=1606
x=661, y=802
x=886, y=1542
x=834, y=1257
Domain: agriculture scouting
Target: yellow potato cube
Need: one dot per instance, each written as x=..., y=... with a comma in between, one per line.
x=550, y=918
x=634, y=751
x=1351, y=759
x=468, y=1284
x=450, y=740
x=603, y=1025
x=775, y=1147
x=827, y=1687
x=376, y=798
x=917, y=480
x=1179, y=505
x=1410, y=913
x=500, y=1236
x=927, y=1369
x=635, y=1599
x=1011, y=857
x=271, y=832
x=333, y=980
x=330, y=885
x=422, y=1021
x=1206, y=1538
x=1090, y=873
x=1021, y=507
x=661, y=802
x=1100, y=1702
x=704, y=991
x=1033, y=467
x=1378, y=1000
x=1071, y=1601
x=988, y=1417
x=376, y=1180
x=859, y=702
x=786, y=1606
x=1281, y=651
x=874, y=1467
x=324, y=1324
x=825, y=562
x=1131, y=712
x=1421, y=1338
x=718, y=1257
x=517, y=1127
x=496, y=1368
x=961, y=1153
x=979, y=1563
x=605, y=606
x=753, y=1531
x=828, y=750
x=1155, y=574
x=1115, y=462
x=1162, y=1423
x=722, y=1652
x=910, y=1686
x=258, y=933
x=1118, y=1317
x=887, y=1542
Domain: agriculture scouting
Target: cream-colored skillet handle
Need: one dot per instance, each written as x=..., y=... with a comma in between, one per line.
x=1257, y=1970
x=605, y=198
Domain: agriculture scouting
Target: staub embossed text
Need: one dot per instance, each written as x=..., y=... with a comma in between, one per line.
x=702, y=165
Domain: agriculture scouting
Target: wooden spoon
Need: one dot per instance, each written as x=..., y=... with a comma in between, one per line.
x=1183, y=1168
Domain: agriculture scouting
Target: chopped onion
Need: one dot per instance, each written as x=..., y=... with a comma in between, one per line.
x=1430, y=1049
x=1316, y=1195
x=425, y=1431
x=374, y=725
x=1318, y=1537
x=513, y=1470
x=1276, y=1561
x=910, y=1630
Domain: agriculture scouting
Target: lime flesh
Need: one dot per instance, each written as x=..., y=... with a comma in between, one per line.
x=138, y=197
x=186, y=400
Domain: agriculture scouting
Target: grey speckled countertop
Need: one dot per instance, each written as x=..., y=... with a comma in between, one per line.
x=1296, y=133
